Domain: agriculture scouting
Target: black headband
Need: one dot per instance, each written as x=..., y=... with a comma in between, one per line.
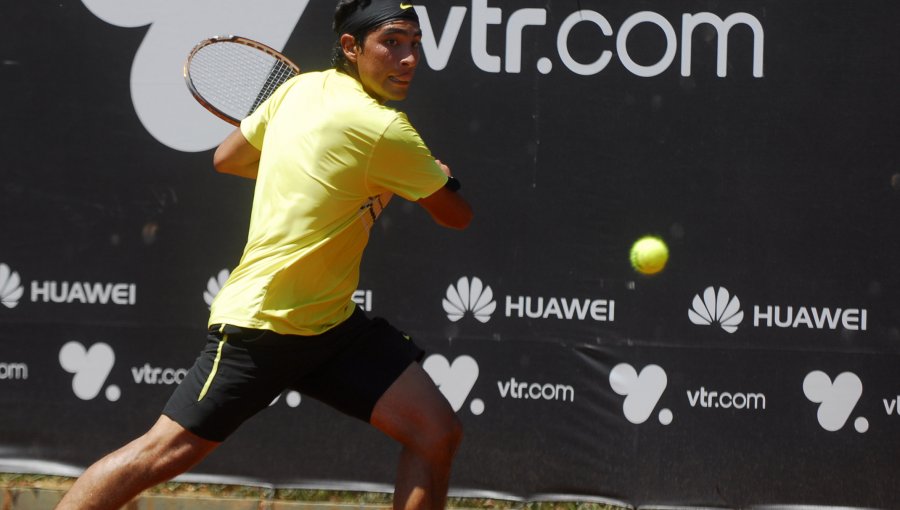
x=376, y=13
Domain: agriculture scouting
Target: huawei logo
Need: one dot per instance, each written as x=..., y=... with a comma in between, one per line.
x=469, y=296
x=214, y=285
x=716, y=307
x=11, y=289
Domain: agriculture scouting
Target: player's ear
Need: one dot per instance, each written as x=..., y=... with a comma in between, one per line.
x=349, y=47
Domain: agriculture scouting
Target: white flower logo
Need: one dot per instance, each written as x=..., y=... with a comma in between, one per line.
x=214, y=285
x=11, y=289
x=717, y=307
x=469, y=296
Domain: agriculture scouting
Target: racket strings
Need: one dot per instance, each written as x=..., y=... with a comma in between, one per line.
x=236, y=78
x=279, y=74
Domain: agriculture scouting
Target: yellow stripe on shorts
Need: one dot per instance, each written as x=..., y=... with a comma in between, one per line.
x=215, y=368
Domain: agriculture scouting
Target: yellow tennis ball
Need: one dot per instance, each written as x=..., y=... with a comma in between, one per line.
x=649, y=255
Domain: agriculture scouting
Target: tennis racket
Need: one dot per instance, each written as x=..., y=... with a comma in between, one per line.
x=231, y=75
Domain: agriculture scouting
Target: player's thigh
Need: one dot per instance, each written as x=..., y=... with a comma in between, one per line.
x=373, y=355
x=237, y=375
x=414, y=412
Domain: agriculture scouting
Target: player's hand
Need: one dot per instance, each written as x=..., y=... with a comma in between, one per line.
x=444, y=168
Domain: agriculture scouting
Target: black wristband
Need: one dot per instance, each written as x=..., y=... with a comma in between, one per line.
x=452, y=184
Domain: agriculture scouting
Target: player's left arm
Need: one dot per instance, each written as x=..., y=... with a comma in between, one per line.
x=447, y=206
x=236, y=156
x=402, y=164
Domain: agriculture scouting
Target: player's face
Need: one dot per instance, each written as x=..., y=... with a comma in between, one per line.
x=388, y=61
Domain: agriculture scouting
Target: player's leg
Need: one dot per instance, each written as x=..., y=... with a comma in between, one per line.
x=415, y=413
x=236, y=375
x=373, y=374
x=165, y=451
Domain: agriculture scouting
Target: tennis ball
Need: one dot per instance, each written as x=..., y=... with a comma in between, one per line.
x=649, y=255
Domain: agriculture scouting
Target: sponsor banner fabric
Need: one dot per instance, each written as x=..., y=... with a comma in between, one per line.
x=757, y=138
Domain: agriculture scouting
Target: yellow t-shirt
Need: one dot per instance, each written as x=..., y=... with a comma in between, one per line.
x=331, y=159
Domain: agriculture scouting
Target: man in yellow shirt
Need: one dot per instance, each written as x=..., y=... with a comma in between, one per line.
x=327, y=156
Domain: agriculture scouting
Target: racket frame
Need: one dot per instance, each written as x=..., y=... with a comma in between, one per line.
x=229, y=39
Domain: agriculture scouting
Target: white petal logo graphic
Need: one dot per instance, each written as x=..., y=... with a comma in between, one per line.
x=836, y=400
x=469, y=296
x=214, y=285
x=641, y=391
x=11, y=289
x=161, y=100
x=717, y=307
x=91, y=368
x=455, y=380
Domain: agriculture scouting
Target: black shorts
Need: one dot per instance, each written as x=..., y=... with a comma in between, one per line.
x=241, y=371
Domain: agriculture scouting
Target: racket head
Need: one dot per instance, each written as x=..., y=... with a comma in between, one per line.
x=231, y=75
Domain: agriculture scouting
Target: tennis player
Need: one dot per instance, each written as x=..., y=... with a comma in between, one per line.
x=327, y=155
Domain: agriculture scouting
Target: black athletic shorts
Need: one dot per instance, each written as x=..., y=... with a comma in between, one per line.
x=241, y=371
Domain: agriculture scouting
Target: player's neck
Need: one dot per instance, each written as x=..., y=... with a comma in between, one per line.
x=351, y=71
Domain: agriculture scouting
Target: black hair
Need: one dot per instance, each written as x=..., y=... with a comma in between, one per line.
x=343, y=10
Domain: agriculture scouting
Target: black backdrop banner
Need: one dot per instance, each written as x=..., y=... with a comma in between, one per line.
x=759, y=139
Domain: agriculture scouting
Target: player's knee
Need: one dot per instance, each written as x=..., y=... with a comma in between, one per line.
x=171, y=453
x=457, y=436
x=456, y=433
x=446, y=438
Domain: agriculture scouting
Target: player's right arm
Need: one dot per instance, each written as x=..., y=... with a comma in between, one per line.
x=236, y=156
